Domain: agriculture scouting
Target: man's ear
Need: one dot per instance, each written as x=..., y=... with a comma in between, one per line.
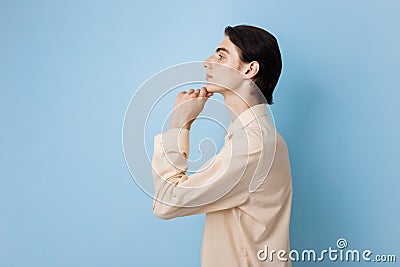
x=252, y=69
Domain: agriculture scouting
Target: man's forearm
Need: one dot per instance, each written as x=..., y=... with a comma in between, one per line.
x=176, y=124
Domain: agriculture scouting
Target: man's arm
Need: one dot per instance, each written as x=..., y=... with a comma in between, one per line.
x=221, y=183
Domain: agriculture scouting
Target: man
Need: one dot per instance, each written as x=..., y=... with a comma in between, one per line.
x=246, y=189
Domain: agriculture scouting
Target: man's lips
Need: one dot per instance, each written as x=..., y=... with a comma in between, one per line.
x=208, y=76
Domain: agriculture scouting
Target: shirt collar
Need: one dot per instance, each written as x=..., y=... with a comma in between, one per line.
x=246, y=117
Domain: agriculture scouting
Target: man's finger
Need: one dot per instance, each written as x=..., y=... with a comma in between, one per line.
x=203, y=92
x=195, y=93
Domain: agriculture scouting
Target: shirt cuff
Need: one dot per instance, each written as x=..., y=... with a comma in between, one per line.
x=175, y=139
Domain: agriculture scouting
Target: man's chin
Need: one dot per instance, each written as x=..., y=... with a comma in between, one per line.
x=213, y=88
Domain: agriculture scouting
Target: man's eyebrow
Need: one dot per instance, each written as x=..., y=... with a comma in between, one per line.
x=222, y=49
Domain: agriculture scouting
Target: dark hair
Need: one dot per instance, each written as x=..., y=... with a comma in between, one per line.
x=256, y=44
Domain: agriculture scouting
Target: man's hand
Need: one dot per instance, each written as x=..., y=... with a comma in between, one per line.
x=188, y=106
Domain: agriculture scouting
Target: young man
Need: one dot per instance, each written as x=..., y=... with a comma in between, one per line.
x=246, y=189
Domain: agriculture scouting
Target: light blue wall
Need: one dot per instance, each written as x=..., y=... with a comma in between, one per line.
x=69, y=68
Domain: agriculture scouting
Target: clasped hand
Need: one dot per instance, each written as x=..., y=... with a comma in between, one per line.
x=188, y=106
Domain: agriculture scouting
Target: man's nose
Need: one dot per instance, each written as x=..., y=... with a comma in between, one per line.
x=207, y=63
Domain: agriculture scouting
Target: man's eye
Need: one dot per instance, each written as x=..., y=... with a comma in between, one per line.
x=220, y=56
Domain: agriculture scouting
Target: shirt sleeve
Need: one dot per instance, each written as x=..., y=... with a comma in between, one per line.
x=221, y=183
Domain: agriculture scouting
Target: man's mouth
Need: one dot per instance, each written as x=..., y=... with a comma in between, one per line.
x=208, y=76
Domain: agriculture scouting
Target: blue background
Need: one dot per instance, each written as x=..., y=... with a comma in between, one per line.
x=69, y=68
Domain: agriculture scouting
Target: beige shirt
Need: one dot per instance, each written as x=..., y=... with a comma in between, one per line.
x=245, y=191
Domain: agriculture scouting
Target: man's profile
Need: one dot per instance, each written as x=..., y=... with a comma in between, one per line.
x=246, y=189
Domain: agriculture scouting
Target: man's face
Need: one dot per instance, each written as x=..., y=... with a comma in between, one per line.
x=224, y=68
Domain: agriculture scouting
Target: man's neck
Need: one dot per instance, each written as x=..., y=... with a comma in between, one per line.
x=240, y=100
